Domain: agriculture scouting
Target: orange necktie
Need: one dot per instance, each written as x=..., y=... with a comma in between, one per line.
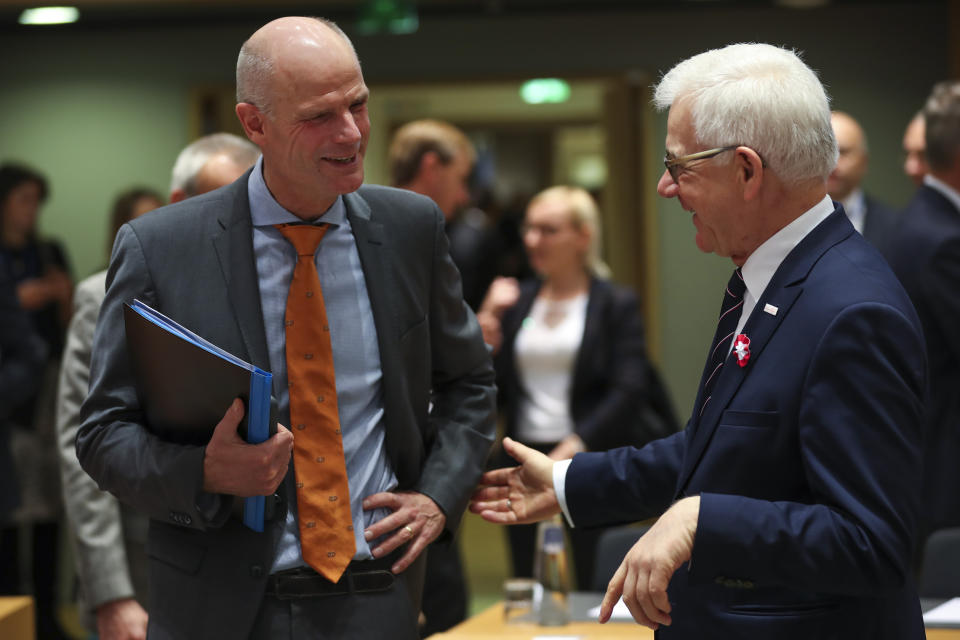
x=323, y=495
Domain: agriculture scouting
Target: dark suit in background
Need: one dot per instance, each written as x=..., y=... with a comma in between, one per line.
x=195, y=263
x=879, y=222
x=925, y=255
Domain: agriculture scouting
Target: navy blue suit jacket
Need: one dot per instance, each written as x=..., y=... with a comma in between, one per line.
x=807, y=461
x=925, y=255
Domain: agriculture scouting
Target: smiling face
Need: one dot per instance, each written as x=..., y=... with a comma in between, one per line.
x=314, y=138
x=708, y=189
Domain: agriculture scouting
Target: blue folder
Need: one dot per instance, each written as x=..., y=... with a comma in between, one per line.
x=185, y=384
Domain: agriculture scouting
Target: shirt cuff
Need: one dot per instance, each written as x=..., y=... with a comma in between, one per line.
x=559, y=483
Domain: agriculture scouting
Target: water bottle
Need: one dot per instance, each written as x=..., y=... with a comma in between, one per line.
x=552, y=573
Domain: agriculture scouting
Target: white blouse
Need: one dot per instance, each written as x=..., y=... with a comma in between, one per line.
x=546, y=350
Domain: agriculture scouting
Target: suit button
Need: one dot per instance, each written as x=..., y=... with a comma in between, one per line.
x=256, y=571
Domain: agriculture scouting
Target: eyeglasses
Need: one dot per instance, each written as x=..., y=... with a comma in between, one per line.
x=676, y=166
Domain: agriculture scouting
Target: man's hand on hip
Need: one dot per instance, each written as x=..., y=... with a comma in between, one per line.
x=416, y=519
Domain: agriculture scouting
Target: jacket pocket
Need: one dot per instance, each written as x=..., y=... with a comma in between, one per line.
x=171, y=547
x=794, y=609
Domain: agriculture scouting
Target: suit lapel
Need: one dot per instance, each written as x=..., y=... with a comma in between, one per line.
x=783, y=290
x=369, y=237
x=374, y=258
x=234, y=247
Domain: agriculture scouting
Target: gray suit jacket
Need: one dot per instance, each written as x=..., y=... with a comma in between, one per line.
x=195, y=263
x=108, y=536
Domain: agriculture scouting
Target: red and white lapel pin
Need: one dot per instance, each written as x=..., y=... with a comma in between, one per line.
x=741, y=346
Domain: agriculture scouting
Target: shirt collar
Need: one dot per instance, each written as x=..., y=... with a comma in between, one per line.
x=265, y=211
x=946, y=190
x=855, y=206
x=766, y=259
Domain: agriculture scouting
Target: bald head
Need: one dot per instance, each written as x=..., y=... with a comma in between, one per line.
x=282, y=47
x=852, y=161
x=304, y=103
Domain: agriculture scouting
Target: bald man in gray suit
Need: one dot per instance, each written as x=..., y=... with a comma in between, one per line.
x=414, y=381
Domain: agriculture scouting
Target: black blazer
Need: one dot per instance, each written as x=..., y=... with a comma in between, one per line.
x=616, y=397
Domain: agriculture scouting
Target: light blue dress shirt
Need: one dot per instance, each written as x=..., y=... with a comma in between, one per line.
x=356, y=355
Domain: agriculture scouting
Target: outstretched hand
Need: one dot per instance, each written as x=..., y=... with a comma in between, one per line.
x=646, y=570
x=517, y=495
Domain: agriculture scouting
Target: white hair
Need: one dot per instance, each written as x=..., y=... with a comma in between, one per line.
x=759, y=96
x=194, y=157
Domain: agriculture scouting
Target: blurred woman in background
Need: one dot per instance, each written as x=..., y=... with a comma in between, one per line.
x=572, y=369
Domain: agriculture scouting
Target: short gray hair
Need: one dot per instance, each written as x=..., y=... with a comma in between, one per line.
x=194, y=157
x=942, y=115
x=255, y=67
x=759, y=96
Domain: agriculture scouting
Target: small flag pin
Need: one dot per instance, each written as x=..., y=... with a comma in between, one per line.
x=769, y=308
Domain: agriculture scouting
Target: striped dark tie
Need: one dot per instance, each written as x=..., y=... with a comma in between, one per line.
x=726, y=326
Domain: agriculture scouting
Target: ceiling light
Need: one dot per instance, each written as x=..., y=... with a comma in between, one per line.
x=49, y=15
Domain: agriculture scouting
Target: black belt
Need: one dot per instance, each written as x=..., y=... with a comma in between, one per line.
x=360, y=576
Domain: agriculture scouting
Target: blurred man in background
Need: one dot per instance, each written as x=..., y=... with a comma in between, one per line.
x=870, y=217
x=915, y=149
x=925, y=255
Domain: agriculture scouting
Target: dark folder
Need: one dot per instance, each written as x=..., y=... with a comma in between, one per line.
x=186, y=383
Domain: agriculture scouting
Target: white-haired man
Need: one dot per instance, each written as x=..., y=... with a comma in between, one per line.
x=789, y=502
x=109, y=538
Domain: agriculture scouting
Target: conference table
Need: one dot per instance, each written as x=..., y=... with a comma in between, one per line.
x=490, y=625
